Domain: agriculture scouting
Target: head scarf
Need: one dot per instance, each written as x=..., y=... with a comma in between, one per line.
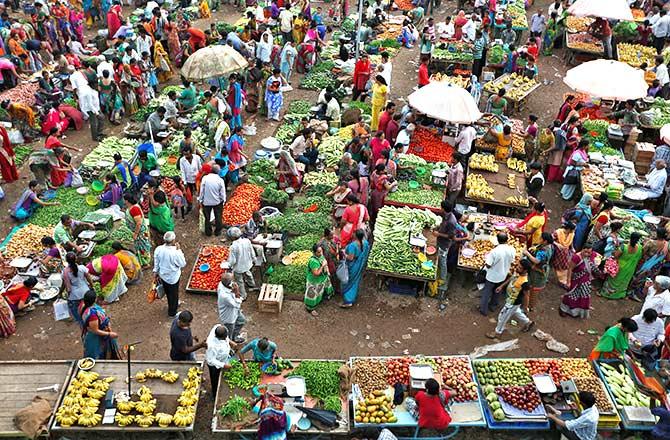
x=289, y=162
x=585, y=202
x=662, y=281
x=273, y=419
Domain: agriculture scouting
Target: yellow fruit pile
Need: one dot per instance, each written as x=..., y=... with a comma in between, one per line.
x=516, y=165
x=518, y=86
x=185, y=412
x=154, y=373
x=636, y=54
x=82, y=400
x=486, y=162
x=457, y=81
x=517, y=200
x=511, y=180
x=377, y=408
x=478, y=188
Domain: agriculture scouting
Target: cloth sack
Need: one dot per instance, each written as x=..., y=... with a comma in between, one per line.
x=32, y=419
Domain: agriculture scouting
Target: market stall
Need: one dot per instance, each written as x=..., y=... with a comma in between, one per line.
x=163, y=397
x=373, y=393
x=22, y=381
x=486, y=144
x=208, y=267
x=496, y=183
x=429, y=145
x=312, y=384
x=517, y=88
x=401, y=249
x=513, y=11
x=581, y=47
x=457, y=53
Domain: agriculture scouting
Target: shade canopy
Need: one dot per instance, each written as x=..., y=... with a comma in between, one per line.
x=211, y=62
x=448, y=103
x=612, y=9
x=607, y=79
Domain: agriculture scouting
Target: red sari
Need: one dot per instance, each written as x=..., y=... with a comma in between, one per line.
x=57, y=177
x=7, y=165
x=113, y=21
x=361, y=74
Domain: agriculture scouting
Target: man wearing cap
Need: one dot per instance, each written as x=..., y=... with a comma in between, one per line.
x=241, y=260
x=658, y=296
x=168, y=262
x=404, y=136
x=212, y=197
x=229, y=306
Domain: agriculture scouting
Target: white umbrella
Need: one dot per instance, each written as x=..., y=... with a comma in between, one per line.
x=442, y=101
x=212, y=61
x=612, y=9
x=665, y=133
x=607, y=79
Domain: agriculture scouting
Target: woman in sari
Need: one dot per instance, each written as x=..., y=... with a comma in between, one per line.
x=563, y=238
x=330, y=250
x=111, y=276
x=174, y=46
x=28, y=202
x=582, y=216
x=504, y=139
x=601, y=224
x=134, y=219
x=55, y=119
x=530, y=229
x=627, y=256
x=235, y=101
x=289, y=176
x=354, y=217
x=318, y=279
x=300, y=26
x=497, y=103
x=306, y=57
x=357, y=258
x=274, y=422
x=129, y=262
x=576, y=162
x=287, y=60
x=362, y=72
x=160, y=216
x=577, y=302
x=614, y=342
x=8, y=169
x=540, y=255
x=97, y=336
x=59, y=173
x=236, y=155
x=127, y=91
x=114, y=20
x=110, y=98
x=359, y=186
x=552, y=151
x=7, y=320
x=273, y=94
x=459, y=22
x=550, y=35
x=379, y=182
x=654, y=254
x=112, y=194
x=162, y=63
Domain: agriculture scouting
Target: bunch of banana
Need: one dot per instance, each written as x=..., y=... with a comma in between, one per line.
x=170, y=376
x=194, y=372
x=86, y=378
x=123, y=419
x=145, y=393
x=85, y=364
x=125, y=406
x=478, y=188
x=516, y=165
x=187, y=398
x=89, y=402
x=89, y=419
x=191, y=383
x=145, y=420
x=146, y=408
x=183, y=416
x=517, y=200
x=163, y=419
x=140, y=377
x=96, y=394
x=511, y=180
x=486, y=162
x=67, y=415
x=153, y=373
x=101, y=385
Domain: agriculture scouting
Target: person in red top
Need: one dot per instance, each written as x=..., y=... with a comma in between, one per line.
x=17, y=296
x=430, y=407
x=392, y=129
x=601, y=29
x=197, y=38
x=362, y=71
x=8, y=169
x=424, y=79
x=532, y=48
x=386, y=116
x=377, y=145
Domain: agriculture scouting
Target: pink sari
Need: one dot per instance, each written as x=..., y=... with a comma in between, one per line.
x=354, y=216
x=105, y=268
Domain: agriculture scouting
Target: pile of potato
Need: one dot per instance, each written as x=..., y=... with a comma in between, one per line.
x=370, y=375
x=26, y=241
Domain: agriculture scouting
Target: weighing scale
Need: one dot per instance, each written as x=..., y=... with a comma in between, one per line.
x=418, y=375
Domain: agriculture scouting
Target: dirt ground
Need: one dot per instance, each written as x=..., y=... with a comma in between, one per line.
x=380, y=323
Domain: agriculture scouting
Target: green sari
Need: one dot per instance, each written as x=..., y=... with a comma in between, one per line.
x=143, y=243
x=549, y=37
x=317, y=285
x=617, y=287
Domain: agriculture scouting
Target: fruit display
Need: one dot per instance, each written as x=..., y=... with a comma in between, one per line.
x=546, y=366
x=585, y=43
x=517, y=12
x=636, y=54
x=511, y=180
x=486, y=162
x=457, y=374
x=524, y=398
x=593, y=181
x=370, y=375
x=81, y=402
x=212, y=255
x=622, y=386
x=578, y=24
x=391, y=251
x=478, y=188
x=518, y=144
x=595, y=386
x=458, y=81
x=517, y=86
x=502, y=372
x=428, y=145
x=516, y=165
x=481, y=247
x=376, y=408
x=397, y=370
x=576, y=367
x=517, y=200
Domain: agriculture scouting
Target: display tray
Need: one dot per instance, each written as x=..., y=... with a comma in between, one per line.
x=196, y=268
x=19, y=381
x=166, y=394
x=222, y=426
x=595, y=48
x=498, y=181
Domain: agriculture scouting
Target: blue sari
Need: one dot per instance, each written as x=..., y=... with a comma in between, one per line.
x=96, y=346
x=582, y=227
x=356, y=268
x=274, y=99
x=236, y=106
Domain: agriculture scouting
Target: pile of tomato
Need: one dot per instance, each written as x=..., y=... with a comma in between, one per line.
x=428, y=145
x=397, y=370
x=208, y=281
x=245, y=200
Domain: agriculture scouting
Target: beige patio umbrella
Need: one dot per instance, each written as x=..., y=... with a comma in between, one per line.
x=445, y=102
x=211, y=62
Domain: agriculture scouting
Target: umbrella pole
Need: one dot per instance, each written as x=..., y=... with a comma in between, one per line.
x=360, y=22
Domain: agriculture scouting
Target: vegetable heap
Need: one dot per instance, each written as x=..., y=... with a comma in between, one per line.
x=332, y=148
x=26, y=241
x=236, y=377
x=291, y=277
x=236, y=408
x=597, y=134
x=274, y=197
x=661, y=112
x=245, y=200
x=322, y=378
x=455, y=51
x=302, y=243
x=429, y=146
x=332, y=403
x=286, y=131
x=208, y=281
x=631, y=223
x=418, y=196
x=297, y=222
x=320, y=178
x=69, y=201
x=318, y=80
x=105, y=150
x=391, y=251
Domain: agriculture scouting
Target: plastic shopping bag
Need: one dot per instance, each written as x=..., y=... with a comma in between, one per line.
x=61, y=311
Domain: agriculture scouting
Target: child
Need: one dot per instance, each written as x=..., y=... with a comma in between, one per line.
x=517, y=288
x=177, y=198
x=187, y=143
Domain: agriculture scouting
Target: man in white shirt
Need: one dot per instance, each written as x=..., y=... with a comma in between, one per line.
x=538, y=23
x=650, y=334
x=584, y=427
x=212, y=197
x=77, y=78
x=387, y=71
x=470, y=28
x=333, y=110
x=171, y=110
x=190, y=165
x=556, y=7
x=143, y=41
x=103, y=65
x=656, y=180
x=404, y=137
x=661, y=30
x=168, y=262
x=658, y=296
x=497, y=265
x=89, y=104
x=465, y=139
x=241, y=258
x=661, y=71
x=218, y=354
x=654, y=15
x=446, y=29
x=229, y=306
x=77, y=49
x=286, y=24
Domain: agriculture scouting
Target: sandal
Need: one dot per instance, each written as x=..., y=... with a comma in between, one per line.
x=528, y=326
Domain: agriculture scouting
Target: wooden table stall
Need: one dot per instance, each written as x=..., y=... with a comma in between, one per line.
x=498, y=181
x=19, y=381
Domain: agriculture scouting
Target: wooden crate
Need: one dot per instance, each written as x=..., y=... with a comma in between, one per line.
x=271, y=298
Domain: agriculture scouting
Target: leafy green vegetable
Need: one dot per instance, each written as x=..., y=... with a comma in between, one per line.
x=167, y=89
x=298, y=222
x=274, y=196
x=332, y=403
x=291, y=277
x=364, y=107
x=105, y=150
x=299, y=107
x=263, y=168
x=322, y=378
x=236, y=377
x=419, y=196
x=236, y=408
x=286, y=131
x=21, y=152
x=301, y=243
x=69, y=202
x=317, y=80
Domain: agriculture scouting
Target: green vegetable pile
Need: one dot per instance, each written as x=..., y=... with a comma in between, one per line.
x=332, y=403
x=169, y=170
x=316, y=190
x=143, y=113
x=391, y=251
x=236, y=377
x=21, y=153
x=419, y=196
x=386, y=43
x=318, y=80
x=198, y=136
x=274, y=197
x=299, y=107
x=105, y=150
x=320, y=178
x=296, y=222
x=286, y=131
x=70, y=202
x=661, y=112
x=410, y=160
x=302, y=243
x=323, y=66
x=71, y=102
x=167, y=89
x=495, y=54
x=597, y=133
x=236, y=408
x=364, y=107
x=262, y=168
x=324, y=203
x=321, y=377
x=625, y=29
x=291, y=277
x=454, y=52
x=348, y=25
x=332, y=149
x=631, y=223
x=224, y=28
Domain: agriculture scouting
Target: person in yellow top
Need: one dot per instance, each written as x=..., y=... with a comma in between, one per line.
x=531, y=227
x=504, y=138
x=300, y=25
x=379, y=94
x=131, y=265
